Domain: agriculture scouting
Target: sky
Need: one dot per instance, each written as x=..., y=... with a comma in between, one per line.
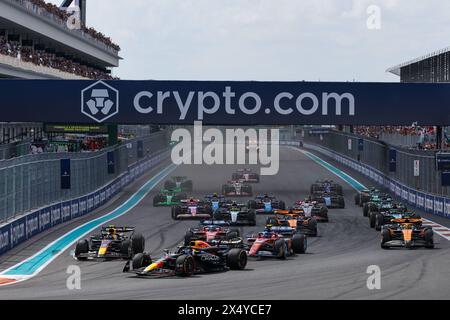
x=277, y=40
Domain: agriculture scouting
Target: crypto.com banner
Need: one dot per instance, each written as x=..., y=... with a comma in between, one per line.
x=224, y=102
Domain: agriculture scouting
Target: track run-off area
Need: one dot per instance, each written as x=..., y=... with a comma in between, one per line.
x=335, y=266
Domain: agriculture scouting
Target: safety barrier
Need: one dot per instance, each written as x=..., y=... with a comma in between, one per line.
x=424, y=201
x=21, y=229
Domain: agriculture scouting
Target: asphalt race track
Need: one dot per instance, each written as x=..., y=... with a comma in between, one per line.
x=334, y=267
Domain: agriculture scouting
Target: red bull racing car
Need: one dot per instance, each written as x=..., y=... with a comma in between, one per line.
x=192, y=209
x=198, y=257
x=112, y=243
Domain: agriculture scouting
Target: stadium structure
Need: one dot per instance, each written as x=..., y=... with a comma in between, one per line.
x=39, y=40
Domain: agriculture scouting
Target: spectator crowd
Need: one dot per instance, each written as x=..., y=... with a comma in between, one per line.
x=63, y=15
x=50, y=60
x=425, y=135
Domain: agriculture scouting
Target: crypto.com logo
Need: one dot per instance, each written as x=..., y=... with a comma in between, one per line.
x=100, y=101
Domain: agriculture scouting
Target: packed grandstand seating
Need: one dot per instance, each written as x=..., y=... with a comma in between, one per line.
x=50, y=60
x=55, y=10
x=425, y=136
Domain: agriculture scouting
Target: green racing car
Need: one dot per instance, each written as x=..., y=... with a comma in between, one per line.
x=169, y=197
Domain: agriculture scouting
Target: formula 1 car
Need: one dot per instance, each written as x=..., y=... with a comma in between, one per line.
x=178, y=182
x=236, y=214
x=246, y=175
x=266, y=204
x=214, y=232
x=272, y=244
x=328, y=186
x=312, y=208
x=198, y=257
x=236, y=188
x=112, y=243
x=294, y=219
x=407, y=232
x=364, y=196
x=384, y=216
x=168, y=197
x=375, y=201
x=330, y=199
x=192, y=209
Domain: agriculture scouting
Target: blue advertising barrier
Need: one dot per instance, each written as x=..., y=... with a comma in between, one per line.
x=225, y=102
x=430, y=203
x=31, y=224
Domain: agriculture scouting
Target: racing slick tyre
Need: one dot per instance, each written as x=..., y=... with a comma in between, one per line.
x=338, y=189
x=372, y=219
x=341, y=203
x=188, y=237
x=429, y=239
x=138, y=243
x=280, y=249
x=185, y=266
x=81, y=247
x=187, y=186
x=365, y=209
x=282, y=205
x=379, y=221
x=157, y=199
x=271, y=221
x=125, y=249
x=237, y=259
x=299, y=243
x=385, y=237
x=252, y=204
x=313, y=227
x=235, y=176
x=314, y=188
x=357, y=199
x=225, y=189
x=141, y=260
x=218, y=216
x=175, y=211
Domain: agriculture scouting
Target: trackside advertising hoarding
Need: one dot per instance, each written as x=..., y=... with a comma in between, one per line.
x=225, y=102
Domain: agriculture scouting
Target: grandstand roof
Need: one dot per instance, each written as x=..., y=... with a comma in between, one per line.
x=396, y=69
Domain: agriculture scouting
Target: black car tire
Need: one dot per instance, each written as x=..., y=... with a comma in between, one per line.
x=252, y=218
x=174, y=211
x=379, y=221
x=282, y=205
x=299, y=243
x=385, y=237
x=341, y=203
x=141, y=260
x=252, y=204
x=372, y=219
x=156, y=199
x=280, y=249
x=357, y=199
x=185, y=266
x=125, y=251
x=429, y=239
x=365, y=209
x=237, y=259
x=188, y=237
x=81, y=247
x=138, y=243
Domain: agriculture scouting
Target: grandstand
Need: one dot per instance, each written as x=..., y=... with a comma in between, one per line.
x=38, y=41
